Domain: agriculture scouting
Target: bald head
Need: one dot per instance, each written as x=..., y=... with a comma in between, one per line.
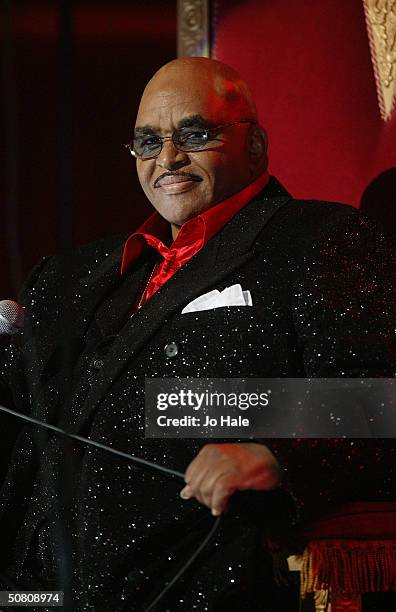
x=217, y=85
x=198, y=137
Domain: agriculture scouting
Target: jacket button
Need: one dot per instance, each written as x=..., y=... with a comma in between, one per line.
x=98, y=363
x=171, y=349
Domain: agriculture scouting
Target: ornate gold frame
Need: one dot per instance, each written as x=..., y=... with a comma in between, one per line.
x=381, y=28
x=193, y=28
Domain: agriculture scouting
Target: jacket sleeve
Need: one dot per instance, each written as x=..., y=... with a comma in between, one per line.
x=345, y=301
x=12, y=375
x=344, y=316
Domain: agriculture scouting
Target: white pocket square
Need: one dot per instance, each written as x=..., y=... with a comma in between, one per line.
x=230, y=296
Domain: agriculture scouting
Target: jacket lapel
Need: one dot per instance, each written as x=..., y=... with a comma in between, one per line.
x=224, y=253
x=62, y=340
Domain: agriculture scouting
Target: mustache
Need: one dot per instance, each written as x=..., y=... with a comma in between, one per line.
x=187, y=175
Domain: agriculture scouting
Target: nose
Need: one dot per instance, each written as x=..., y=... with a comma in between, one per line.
x=171, y=158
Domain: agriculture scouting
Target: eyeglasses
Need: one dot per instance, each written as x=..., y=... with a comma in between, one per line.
x=185, y=139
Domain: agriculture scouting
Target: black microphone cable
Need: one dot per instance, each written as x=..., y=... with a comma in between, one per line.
x=139, y=461
x=187, y=564
x=104, y=447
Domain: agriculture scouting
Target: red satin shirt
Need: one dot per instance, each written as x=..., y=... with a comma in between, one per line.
x=193, y=235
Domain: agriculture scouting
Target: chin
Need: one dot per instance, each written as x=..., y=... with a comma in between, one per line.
x=178, y=215
x=178, y=220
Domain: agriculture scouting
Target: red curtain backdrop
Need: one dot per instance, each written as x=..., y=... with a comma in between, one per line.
x=308, y=64
x=117, y=46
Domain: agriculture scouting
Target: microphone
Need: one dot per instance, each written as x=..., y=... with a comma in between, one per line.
x=12, y=317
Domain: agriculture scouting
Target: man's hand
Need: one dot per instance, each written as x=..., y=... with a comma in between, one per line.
x=221, y=469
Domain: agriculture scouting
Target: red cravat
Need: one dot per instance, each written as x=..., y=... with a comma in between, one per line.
x=193, y=235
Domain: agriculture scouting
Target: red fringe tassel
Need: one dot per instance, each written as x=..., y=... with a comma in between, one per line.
x=349, y=566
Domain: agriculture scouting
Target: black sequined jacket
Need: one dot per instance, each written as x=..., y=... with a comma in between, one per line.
x=322, y=285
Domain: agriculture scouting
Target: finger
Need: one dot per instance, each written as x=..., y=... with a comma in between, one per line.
x=186, y=493
x=198, y=471
x=208, y=484
x=193, y=488
x=197, y=463
x=197, y=484
x=222, y=491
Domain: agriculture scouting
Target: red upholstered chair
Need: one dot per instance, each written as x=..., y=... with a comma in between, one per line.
x=310, y=69
x=349, y=552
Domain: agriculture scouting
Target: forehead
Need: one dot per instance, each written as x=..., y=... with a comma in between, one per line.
x=164, y=107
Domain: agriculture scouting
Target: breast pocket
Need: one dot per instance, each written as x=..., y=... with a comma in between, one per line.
x=215, y=343
x=225, y=316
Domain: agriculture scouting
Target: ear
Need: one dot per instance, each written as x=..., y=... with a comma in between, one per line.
x=257, y=150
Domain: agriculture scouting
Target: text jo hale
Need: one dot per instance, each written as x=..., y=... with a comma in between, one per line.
x=193, y=421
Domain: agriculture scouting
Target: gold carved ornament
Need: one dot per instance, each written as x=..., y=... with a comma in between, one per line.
x=381, y=27
x=193, y=28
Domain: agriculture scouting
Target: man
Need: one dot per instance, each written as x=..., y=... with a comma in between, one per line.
x=322, y=301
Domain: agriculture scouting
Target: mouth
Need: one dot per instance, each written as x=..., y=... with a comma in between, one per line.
x=176, y=182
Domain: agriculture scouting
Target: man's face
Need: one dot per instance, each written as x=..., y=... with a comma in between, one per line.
x=181, y=185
